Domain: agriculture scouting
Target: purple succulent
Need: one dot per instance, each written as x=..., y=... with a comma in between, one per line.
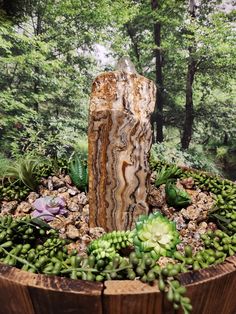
x=47, y=207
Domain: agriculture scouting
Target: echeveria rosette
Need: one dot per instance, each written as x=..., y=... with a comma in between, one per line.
x=155, y=234
x=47, y=207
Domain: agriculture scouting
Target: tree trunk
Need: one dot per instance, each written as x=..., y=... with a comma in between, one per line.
x=157, y=117
x=189, y=109
x=131, y=33
x=37, y=31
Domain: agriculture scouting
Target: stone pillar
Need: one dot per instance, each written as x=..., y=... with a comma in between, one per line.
x=119, y=142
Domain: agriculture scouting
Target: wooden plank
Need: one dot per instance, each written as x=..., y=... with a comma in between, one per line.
x=39, y=294
x=54, y=295
x=131, y=297
x=212, y=290
x=14, y=296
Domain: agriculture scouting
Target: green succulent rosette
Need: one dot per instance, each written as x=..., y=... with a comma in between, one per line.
x=155, y=234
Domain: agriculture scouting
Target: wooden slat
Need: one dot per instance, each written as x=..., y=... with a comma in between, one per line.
x=212, y=290
x=39, y=294
x=131, y=297
x=14, y=297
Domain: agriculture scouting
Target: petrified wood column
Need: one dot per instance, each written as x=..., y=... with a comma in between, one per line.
x=119, y=143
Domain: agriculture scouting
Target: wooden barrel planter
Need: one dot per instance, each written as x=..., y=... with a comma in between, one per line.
x=211, y=290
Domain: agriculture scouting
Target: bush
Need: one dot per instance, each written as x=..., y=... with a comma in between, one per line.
x=193, y=158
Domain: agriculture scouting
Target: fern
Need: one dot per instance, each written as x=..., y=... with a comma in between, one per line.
x=78, y=172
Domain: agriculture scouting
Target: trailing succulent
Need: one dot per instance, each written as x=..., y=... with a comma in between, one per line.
x=109, y=244
x=154, y=234
x=32, y=245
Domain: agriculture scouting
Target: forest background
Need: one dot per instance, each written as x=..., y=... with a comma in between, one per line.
x=51, y=51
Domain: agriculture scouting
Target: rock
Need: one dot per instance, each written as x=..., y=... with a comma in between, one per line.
x=192, y=212
x=187, y=183
x=73, y=206
x=62, y=190
x=50, y=184
x=202, y=227
x=44, y=182
x=57, y=183
x=82, y=198
x=72, y=232
x=179, y=220
x=192, y=226
x=32, y=197
x=67, y=180
x=65, y=196
x=120, y=109
x=163, y=261
x=8, y=207
x=23, y=207
x=96, y=232
x=85, y=210
x=73, y=191
x=157, y=196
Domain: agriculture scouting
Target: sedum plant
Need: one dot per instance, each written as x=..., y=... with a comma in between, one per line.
x=155, y=234
x=47, y=207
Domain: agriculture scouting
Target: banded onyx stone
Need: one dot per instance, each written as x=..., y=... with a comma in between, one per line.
x=119, y=143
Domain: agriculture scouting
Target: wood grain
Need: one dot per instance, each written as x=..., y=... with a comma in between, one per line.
x=25, y=293
x=131, y=297
x=119, y=143
x=212, y=291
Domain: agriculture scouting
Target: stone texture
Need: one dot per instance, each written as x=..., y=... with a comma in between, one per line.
x=119, y=143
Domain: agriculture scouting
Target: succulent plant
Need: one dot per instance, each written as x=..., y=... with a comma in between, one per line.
x=78, y=172
x=167, y=172
x=110, y=243
x=176, y=197
x=47, y=207
x=155, y=234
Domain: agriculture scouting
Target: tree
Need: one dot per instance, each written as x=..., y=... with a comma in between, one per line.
x=157, y=118
x=192, y=63
x=46, y=62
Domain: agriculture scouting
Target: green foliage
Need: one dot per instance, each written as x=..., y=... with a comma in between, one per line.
x=25, y=170
x=176, y=197
x=13, y=190
x=4, y=163
x=110, y=243
x=172, y=154
x=166, y=173
x=155, y=234
x=221, y=152
x=78, y=172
